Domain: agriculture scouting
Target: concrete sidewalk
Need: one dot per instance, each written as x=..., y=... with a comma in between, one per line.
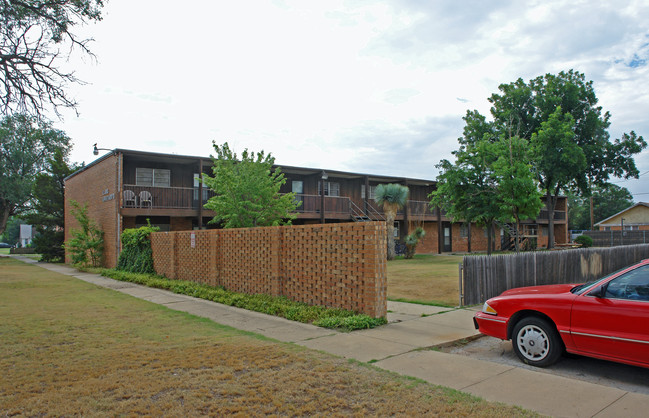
x=401, y=347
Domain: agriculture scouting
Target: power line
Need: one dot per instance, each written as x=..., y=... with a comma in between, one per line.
x=623, y=181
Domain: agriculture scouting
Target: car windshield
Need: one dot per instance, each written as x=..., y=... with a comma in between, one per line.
x=582, y=288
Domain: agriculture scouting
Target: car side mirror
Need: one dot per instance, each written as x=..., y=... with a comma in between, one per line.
x=598, y=292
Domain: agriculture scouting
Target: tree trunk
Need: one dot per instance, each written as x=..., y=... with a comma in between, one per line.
x=389, y=220
x=517, y=239
x=550, y=203
x=390, y=214
x=490, y=232
x=4, y=215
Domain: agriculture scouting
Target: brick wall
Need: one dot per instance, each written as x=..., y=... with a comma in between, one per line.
x=98, y=189
x=339, y=265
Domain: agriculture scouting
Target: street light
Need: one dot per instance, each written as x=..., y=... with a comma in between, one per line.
x=96, y=150
x=324, y=177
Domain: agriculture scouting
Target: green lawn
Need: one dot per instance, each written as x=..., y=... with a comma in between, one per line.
x=72, y=348
x=427, y=278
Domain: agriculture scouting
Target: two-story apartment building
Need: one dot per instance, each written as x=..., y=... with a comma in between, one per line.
x=124, y=188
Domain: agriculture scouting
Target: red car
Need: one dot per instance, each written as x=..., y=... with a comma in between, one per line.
x=606, y=319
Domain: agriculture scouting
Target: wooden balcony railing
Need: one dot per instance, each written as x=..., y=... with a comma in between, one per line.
x=333, y=204
x=419, y=208
x=163, y=197
x=559, y=215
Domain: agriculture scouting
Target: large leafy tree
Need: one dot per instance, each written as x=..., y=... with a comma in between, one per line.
x=26, y=147
x=36, y=38
x=546, y=108
x=557, y=160
x=517, y=189
x=47, y=211
x=607, y=201
x=466, y=189
x=392, y=197
x=247, y=190
x=489, y=182
x=11, y=234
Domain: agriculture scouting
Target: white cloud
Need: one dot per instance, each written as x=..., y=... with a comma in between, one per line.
x=376, y=87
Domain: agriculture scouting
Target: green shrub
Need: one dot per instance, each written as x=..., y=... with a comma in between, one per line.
x=584, y=240
x=412, y=240
x=271, y=305
x=136, y=255
x=87, y=244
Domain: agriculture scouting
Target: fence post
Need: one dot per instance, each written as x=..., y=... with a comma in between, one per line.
x=461, y=292
x=612, y=238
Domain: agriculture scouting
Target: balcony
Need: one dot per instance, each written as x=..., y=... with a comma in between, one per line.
x=334, y=206
x=183, y=201
x=421, y=209
x=559, y=215
x=180, y=201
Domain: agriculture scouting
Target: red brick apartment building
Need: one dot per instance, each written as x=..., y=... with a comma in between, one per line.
x=123, y=188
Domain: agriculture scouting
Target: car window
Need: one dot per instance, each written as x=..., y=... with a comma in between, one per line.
x=633, y=285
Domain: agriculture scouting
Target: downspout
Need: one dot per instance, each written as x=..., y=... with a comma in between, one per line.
x=118, y=201
x=200, y=194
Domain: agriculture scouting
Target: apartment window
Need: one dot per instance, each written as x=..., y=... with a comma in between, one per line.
x=464, y=231
x=331, y=188
x=530, y=230
x=372, y=192
x=156, y=177
x=297, y=186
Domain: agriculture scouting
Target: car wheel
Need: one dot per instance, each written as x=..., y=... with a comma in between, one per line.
x=536, y=342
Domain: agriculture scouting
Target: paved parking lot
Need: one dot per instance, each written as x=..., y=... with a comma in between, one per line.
x=620, y=376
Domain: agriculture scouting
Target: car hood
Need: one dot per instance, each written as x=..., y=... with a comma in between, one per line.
x=540, y=290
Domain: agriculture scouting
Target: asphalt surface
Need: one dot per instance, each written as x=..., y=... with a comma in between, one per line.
x=601, y=372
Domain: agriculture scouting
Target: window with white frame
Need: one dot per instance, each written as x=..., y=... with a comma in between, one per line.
x=331, y=188
x=156, y=177
x=372, y=192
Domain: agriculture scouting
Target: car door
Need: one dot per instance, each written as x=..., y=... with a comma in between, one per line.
x=615, y=323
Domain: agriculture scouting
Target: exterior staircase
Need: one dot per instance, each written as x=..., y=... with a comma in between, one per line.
x=360, y=215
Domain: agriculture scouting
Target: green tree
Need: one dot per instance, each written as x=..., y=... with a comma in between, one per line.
x=11, y=234
x=34, y=38
x=26, y=146
x=467, y=189
x=517, y=189
x=47, y=212
x=392, y=197
x=247, y=190
x=525, y=109
x=608, y=200
x=557, y=159
x=87, y=244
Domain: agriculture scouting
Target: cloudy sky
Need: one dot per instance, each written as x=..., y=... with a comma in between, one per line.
x=363, y=86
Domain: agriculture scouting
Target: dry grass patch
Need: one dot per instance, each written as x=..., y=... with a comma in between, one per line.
x=72, y=348
x=426, y=278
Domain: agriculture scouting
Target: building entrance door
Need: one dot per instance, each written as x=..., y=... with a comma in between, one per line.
x=448, y=239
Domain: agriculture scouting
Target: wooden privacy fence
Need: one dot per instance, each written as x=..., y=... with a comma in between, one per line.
x=615, y=238
x=483, y=277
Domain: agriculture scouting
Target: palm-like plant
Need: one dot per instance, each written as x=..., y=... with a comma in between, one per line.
x=391, y=197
